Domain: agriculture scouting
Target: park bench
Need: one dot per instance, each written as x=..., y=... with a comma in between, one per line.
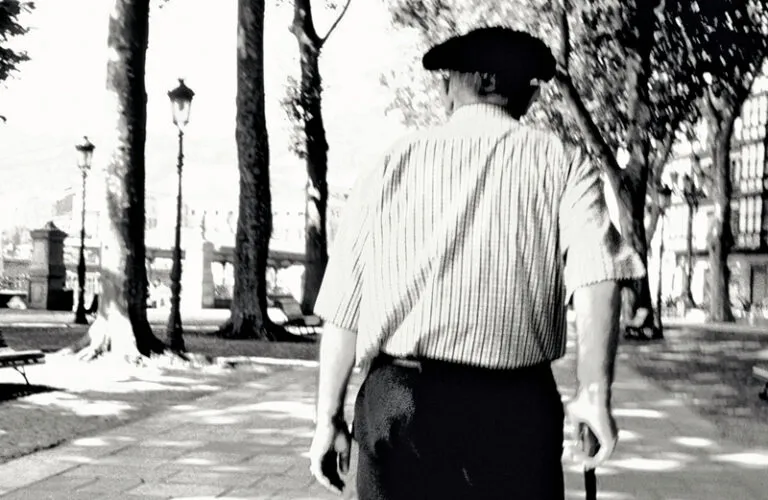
x=761, y=373
x=633, y=328
x=304, y=325
x=18, y=360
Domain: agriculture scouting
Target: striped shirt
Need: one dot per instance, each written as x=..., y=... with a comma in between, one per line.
x=466, y=242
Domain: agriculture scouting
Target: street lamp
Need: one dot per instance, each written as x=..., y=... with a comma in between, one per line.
x=84, y=157
x=181, y=101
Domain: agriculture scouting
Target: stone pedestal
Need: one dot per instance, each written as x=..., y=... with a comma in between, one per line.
x=196, y=273
x=47, y=272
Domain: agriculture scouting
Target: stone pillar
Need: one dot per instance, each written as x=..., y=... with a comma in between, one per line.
x=196, y=273
x=47, y=272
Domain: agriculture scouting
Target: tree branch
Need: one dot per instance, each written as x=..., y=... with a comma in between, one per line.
x=589, y=128
x=335, y=23
x=571, y=94
x=565, y=38
x=303, y=26
x=653, y=221
x=664, y=152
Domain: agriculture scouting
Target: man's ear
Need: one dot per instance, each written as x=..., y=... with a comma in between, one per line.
x=487, y=83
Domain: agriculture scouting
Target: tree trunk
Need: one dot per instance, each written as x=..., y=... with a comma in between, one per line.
x=316, y=150
x=629, y=184
x=121, y=324
x=687, y=296
x=720, y=238
x=249, y=317
x=631, y=220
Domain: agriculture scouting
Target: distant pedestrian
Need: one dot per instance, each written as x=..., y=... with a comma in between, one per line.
x=449, y=281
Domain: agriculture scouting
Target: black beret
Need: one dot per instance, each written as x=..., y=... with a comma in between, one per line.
x=497, y=50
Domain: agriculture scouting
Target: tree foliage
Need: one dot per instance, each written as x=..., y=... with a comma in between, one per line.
x=734, y=39
x=10, y=27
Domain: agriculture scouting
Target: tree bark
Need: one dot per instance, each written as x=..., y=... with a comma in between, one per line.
x=315, y=150
x=720, y=237
x=121, y=324
x=687, y=296
x=630, y=183
x=249, y=317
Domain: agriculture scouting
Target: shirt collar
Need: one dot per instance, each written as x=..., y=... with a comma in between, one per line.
x=482, y=111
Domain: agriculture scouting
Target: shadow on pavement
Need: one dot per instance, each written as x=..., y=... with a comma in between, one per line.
x=9, y=392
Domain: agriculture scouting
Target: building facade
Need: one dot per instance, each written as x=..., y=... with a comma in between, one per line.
x=748, y=260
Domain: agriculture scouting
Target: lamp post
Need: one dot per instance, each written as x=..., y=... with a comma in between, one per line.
x=84, y=157
x=664, y=200
x=181, y=101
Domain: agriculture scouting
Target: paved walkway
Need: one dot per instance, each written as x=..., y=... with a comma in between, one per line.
x=248, y=443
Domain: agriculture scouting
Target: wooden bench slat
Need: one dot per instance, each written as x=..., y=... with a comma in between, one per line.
x=20, y=356
x=760, y=372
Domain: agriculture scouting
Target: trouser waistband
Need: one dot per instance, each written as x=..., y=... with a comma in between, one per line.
x=422, y=365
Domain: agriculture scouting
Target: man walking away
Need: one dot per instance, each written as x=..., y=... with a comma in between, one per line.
x=449, y=282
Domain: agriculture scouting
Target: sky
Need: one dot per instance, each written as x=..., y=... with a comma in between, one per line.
x=59, y=96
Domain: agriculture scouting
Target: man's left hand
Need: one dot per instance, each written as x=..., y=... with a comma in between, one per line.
x=330, y=453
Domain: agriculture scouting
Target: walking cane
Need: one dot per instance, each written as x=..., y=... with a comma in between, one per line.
x=589, y=445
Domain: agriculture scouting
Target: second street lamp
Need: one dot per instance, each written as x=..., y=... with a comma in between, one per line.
x=181, y=100
x=85, y=155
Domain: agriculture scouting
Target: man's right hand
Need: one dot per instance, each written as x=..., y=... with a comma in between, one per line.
x=330, y=454
x=591, y=407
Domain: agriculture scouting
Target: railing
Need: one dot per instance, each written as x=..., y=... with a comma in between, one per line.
x=16, y=283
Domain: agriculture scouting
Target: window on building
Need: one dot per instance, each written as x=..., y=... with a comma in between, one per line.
x=763, y=116
x=744, y=216
x=746, y=163
x=735, y=169
x=753, y=160
x=746, y=113
x=752, y=215
x=758, y=215
x=760, y=160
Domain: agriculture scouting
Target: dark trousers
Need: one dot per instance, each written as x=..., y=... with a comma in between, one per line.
x=447, y=432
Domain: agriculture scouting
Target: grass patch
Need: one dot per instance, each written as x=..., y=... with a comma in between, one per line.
x=199, y=342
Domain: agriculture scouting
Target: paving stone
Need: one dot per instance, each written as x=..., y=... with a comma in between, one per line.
x=28, y=470
x=171, y=443
x=214, y=478
x=276, y=482
x=211, y=458
x=66, y=483
x=126, y=496
x=146, y=453
x=247, y=494
x=109, y=485
x=275, y=464
x=177, y=490
x=33, y=493
x=143, y=474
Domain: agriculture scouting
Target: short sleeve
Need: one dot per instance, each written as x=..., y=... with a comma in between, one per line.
x=338, y=301
x=594, y=250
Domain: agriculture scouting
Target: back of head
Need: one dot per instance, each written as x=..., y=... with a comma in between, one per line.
x=517, y=61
